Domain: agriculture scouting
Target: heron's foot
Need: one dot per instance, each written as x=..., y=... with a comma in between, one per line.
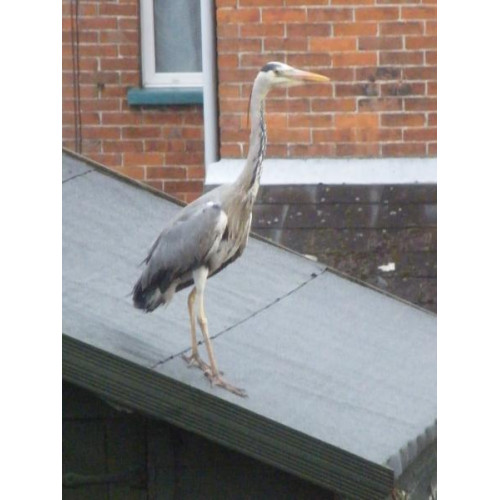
x=219, y=381
x=195, y=360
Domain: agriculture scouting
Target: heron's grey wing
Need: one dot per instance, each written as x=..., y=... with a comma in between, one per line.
x=185, y=245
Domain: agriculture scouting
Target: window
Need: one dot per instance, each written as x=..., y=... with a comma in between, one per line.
x=171, y=43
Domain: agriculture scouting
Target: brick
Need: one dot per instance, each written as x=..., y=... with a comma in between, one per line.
x=260, y=3
x=352, y=2
x=227, y=31
x=334, y=135
x=380, y=43
x=358, y=150
x=402, y=57
x=354, y=59
x=320, y=44
x=303, y=30
x=183, y=186
x=122, y=146
x=310, y=60
x=420, y=73
x=274, y=150
x=127, y=23
x=101, y=104
x=158, y=185
x=169, y=173
x=356, y=89
x=339, y=74
x=183, y=159
x=432, y=119
x=301, y=2
x=101, y=133
x=131, y=159
x=227, y=60
x=310, y=120
x=418, y=12
x=283, y=135
x=121, y=64
x=135, y=172
x=87, y=50
x=402, y=89
x=97, y=23
x=432, y=149
x=298, y=105
x=312, y=150
x=421, y=104
x=378, y=135
x=376, y=13
x=128, y=50
x=355, y=29
x=285, y=44
x=112, y=160
x=262, y=30
x=192, y=132
x=120, y=118
x=420, y=42
x=283, y=15
x=431, y=28
x=229, y=91
x=322, y=14
x=378, y=73
x=196, y=173
x=357, y=120
x=420, y=134
x=401, y=28
x=131, y=36
x=402, y=120
x=239, y=45
x=431, y=88
x=339, y=105
x=431, y=57
x=141, y=132
x=404, y=149
x=240, y=15
x=380, y=104
x=155, y=118
x=118, y=9
x=323, y=90
x=230, y=150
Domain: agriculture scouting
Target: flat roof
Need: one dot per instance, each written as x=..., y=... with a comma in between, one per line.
x=341, y=377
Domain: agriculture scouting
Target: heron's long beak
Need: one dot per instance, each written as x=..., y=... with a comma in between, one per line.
x=299, y=76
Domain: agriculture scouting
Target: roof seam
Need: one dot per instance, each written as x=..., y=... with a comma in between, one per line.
x=313, y=276
x=77, y=175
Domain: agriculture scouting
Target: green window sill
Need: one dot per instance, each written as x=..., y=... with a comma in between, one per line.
x=164, y=96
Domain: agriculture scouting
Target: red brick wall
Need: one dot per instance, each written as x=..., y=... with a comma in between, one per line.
x=162, y=145
x=380, y=55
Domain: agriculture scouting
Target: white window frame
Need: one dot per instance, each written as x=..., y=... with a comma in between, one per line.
x=150, y=77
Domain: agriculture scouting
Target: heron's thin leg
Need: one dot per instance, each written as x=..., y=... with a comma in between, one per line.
x=200, y=278
x=194, y=359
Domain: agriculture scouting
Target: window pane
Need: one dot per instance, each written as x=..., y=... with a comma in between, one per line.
x=177, y=36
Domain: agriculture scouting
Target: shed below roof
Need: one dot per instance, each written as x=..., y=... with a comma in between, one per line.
x=341, y=377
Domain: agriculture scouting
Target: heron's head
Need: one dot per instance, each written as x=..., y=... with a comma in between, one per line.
x=277, y=74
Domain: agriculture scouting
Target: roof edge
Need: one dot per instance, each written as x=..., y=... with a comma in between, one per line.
x=230, y=425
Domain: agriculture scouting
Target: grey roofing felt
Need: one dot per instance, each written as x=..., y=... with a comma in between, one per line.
x=335, y=361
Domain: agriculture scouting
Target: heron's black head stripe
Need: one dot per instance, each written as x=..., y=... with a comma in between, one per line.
x=269, y=67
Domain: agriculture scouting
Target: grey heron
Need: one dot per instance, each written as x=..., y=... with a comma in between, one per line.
x=212, y=231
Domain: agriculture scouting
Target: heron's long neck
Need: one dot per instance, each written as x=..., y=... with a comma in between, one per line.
x=249, y=179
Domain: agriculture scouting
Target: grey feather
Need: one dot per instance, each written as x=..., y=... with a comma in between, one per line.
x=187, y=243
